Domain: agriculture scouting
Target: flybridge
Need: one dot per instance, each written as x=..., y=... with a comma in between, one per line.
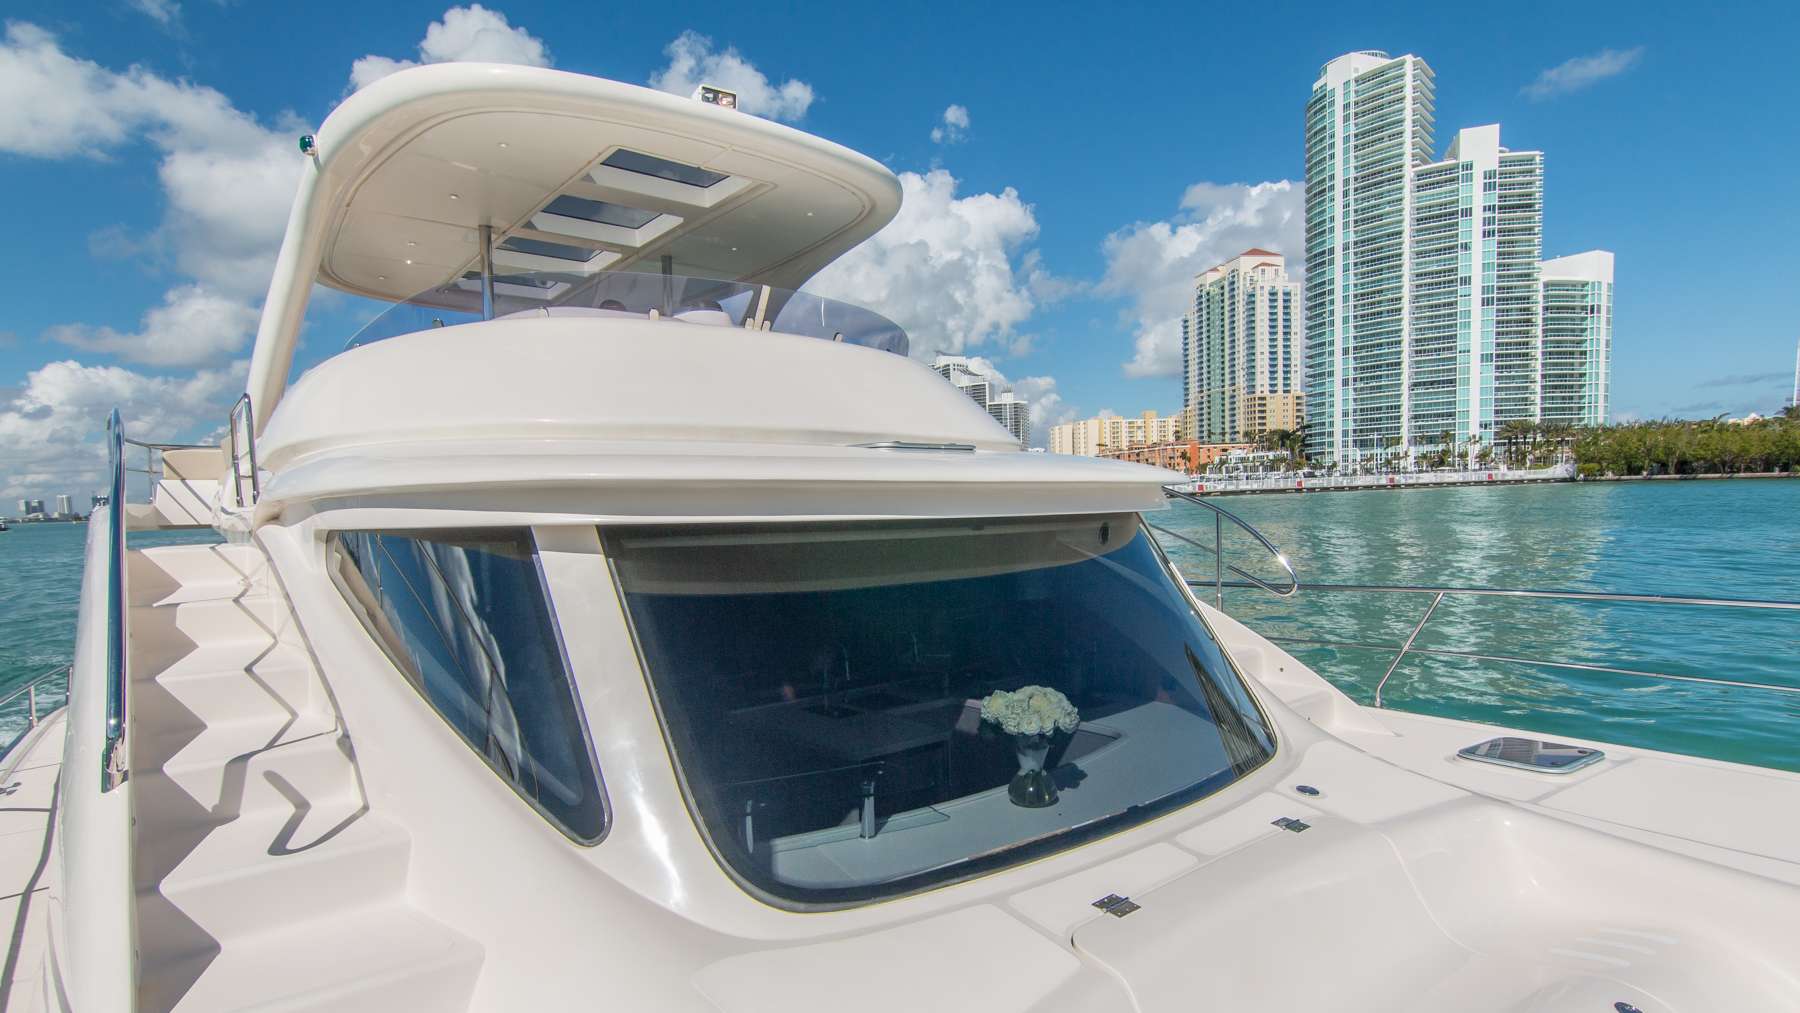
x=419, y=179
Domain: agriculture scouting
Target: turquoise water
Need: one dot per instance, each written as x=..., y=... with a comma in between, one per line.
x=40, y=591
x=1735, y=539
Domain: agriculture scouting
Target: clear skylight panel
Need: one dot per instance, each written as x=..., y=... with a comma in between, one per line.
x=602, y=212
x=557, y=251
x=662, y=168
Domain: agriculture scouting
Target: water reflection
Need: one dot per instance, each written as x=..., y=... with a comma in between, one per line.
x=1730, y=539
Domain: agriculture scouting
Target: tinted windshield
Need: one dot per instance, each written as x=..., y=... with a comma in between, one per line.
x=861, y=711
x=626, y=294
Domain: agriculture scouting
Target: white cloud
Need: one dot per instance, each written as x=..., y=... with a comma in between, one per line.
x=471, y=34
x=163, y=12
x=948, y=269
x=228, y=179
x=194, y=326
x=1047, y=407
x=693, y=62
x=1582, y=72
x=50, y=431
x=1152, y=264
x=953, y=128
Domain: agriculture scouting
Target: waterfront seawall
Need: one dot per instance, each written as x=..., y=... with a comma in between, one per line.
x=1356, y=483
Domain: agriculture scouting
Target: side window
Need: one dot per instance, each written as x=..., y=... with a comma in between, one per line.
x=465, y=618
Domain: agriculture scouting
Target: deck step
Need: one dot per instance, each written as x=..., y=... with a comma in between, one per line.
x=175, y=573
x=205, y=661
x=387, y=957
x=250, y=870
x=313, y=772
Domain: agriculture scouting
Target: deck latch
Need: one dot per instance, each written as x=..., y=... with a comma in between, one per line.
x=1290, y=823
x=1117, y=906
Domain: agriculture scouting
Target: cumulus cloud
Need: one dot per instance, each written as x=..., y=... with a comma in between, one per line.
x=470, y=34
x=193, y=326
x=954, y=126
x=49, y=429
x=1153, y=264
x=1581, y=72
x=693, y=62
x=950, y=270
x=1047, y=406
x=227, y=180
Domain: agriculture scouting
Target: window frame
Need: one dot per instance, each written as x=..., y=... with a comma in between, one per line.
x=336, y=557
x=1015, y=856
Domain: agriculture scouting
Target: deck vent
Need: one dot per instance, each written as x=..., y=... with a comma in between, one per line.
x=1290, y=823
x=1117, y=906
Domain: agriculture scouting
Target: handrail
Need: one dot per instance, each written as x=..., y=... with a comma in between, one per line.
x=112, y=756
x=1439, y=593
x=244, y=407
x=30, y=692
x=1220, y=515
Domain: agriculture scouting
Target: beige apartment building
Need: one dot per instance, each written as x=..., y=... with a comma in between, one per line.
x=1240, y=350
x=1095, y=436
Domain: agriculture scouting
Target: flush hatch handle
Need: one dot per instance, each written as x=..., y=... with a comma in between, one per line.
x=1117, y=906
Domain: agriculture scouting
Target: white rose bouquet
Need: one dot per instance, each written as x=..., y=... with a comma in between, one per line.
x=1030, y=710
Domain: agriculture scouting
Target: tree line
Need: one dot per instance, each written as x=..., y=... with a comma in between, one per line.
x=1661, y=447
x=1679, y=447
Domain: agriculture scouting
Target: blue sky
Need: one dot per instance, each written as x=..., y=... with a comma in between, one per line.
x=1109, y=152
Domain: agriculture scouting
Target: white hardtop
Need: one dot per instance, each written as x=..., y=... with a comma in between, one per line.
x=571, y=173
x=666, y=418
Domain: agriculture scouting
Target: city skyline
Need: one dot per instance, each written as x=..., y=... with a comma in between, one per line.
x=158, y=153
x=1425, y=290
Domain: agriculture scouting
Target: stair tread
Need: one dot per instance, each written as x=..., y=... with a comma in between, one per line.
x=325, y=960
x=207, y=661
x=242, y=847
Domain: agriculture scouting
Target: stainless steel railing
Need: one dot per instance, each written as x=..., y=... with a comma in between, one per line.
x=1220, y=516
x=32, y=696
x=243, y=408
x=1408, y=646
x=37, y=696
x=112, y=756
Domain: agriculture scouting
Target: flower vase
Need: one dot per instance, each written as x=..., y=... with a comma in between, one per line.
x=1032, y=787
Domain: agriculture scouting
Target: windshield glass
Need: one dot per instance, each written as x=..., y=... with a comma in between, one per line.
x=626, y=294
x=865, y=710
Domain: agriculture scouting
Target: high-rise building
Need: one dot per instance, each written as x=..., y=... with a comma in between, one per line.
x=1013, y=413
x=1425, y=291
x=1092, y=437
x=64, y=507
x=1010, y=410
x=1577, y=299
x=1240, y=344
x=1368, y=128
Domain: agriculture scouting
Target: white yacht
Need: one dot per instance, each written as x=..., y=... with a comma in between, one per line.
x=614, y=626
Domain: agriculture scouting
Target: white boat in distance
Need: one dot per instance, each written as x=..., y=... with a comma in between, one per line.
x=596, y=633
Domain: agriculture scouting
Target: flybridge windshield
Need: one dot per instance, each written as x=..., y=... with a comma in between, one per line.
x=625, y=295
x=866, y=710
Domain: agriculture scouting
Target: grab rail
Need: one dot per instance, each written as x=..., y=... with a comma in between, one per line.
x=112, y=757
x=243, y=406
x=1403, y=649
x=30, y=692
x=1220, y=516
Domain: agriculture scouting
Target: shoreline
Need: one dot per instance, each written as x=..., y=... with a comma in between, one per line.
x=1444, y=480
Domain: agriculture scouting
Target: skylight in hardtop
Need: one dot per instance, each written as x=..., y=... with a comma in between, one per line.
x=555, y=251
x=662, y=168
x=601, y=212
